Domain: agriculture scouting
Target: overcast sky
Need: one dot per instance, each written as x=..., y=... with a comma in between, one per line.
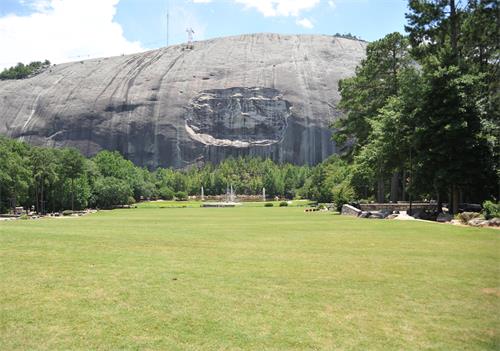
x=71, y=30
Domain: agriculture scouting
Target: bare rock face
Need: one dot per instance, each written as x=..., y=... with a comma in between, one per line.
x=263, y=95
x=238, y=117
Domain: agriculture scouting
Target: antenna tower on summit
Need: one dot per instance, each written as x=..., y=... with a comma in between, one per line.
x=190, y=34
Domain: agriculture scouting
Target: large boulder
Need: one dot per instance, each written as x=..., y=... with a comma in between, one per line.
x=494, y=222
x=478, y=222
x=466, y=217
x=365, y=214
x=349, y=210
x=444, y=217
x=263, y=95
x=377, y=215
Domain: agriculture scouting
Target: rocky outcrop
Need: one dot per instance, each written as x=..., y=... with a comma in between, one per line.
x=348, y=210
x=264, y=95
x=444, y=217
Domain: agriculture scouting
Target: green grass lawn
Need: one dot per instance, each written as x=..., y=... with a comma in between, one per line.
x=248, y=278
x=193, y=203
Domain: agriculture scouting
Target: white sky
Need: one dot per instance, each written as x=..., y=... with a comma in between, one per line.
x=63, y=30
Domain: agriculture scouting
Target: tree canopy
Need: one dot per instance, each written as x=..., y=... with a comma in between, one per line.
x=57, y=179
x=422, y=110
x=21, y=71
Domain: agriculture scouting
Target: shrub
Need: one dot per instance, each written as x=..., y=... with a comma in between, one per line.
x=283, y=204
x=24, y=216
x=166, y=193
x=342, y=193
x=181, y=196
x=130, y=200
x=268, y=204
x=111, y=191
x=491, y=209
x=21, y=70
x=67, y=213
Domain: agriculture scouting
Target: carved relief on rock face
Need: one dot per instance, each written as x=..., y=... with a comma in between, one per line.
x=238, y=117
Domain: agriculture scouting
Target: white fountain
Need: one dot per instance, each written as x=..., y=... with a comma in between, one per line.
x=229, y=199
x=231, y=194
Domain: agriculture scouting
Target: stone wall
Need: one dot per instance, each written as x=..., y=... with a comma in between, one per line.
x=400, y=206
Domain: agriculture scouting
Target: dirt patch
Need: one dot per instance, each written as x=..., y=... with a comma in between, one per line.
x=491, y=291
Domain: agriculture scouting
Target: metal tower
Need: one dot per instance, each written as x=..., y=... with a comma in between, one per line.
x=190, y=34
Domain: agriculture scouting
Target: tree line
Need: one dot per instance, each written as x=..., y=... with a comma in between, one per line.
x=52, y=180
x=422, y=111
x=421, y=122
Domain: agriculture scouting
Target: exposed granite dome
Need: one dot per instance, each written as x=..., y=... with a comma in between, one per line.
x=264, y=94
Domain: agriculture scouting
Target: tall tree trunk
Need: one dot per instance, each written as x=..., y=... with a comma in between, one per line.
x=37, y=200
x=380, y=190
x=41, y=199
x=403, y=187
x=14, y=202
x=439, y=202
x=72, y=195
x=451, y=201
x=394, y=71
x=454, y=196
x=395, y=187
